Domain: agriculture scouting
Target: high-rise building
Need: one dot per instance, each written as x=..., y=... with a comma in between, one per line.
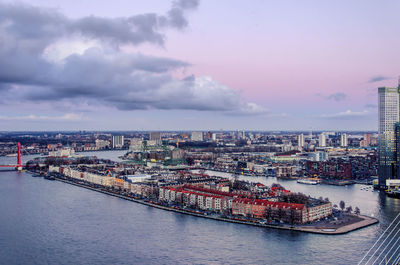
x=300, y=141
x=343, y=140
x=388, y=114
x=197, y=136
x=117, y=141
x=322, y=140
x=156, y=137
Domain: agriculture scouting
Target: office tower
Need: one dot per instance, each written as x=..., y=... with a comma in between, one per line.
x=300, y=141
x=343, y=140
x=367, y=139
x=322, y=140
x=197, y=136
x=214, y=136
x=117, y=141
x=388, y=115
x=156, y=137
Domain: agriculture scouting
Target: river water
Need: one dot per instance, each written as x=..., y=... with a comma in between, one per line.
x=50, y=222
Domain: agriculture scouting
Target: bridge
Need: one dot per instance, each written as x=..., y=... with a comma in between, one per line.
x=19, y=165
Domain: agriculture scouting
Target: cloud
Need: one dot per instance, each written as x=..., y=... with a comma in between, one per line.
x=378, y=78
x=102, y=73
x=339, y=96
x=65, y=117
x=371, y=106
x=348, y=114
x=39, y=26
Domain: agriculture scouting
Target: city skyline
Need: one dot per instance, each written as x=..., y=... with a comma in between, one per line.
x=112, y=66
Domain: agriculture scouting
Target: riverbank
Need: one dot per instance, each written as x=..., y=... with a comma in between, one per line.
x=318, y=229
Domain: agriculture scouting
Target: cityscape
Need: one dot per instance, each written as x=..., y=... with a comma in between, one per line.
x=133, y=139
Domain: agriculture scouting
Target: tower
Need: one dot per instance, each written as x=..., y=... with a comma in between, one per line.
x=388, y=116
x=322, y=140
x=300, y=141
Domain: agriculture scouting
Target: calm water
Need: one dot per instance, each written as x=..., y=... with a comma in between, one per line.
x=50, y=222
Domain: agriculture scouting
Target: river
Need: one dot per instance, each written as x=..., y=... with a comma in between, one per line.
x=50, y=222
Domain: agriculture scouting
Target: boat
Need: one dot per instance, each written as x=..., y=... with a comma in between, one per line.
x=11, y=155
x=307, y=181
x=394, y=193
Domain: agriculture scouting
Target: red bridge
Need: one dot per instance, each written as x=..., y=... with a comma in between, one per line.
x=18, y=166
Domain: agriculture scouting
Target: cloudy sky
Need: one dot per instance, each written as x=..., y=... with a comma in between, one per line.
x=195, y=64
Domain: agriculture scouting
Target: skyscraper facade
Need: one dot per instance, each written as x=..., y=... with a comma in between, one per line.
x=388, y=107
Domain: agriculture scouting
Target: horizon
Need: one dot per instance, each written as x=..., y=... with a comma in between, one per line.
x=172, y=65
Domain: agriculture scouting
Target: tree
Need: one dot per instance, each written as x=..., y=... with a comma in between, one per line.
x=335, y=206
x=357, y=210
x=349, y=209
x=342, y=205
x=327, y=199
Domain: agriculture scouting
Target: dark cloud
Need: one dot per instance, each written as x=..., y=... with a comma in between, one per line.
x=378, y=78
x=104, y=75
x=41, y=26
x=339, y=96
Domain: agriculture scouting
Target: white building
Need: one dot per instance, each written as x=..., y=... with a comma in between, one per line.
x=101, y=144
x=65, y=152
x=300, y=141
x=343, y=140
x=322, y=140
x=117, y=141
x=197, y=136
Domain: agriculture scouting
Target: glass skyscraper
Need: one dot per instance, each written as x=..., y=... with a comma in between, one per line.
x=388, y=117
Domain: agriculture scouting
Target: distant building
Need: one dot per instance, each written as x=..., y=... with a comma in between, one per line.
x=343, y=140
x=117, y=141
x=136, y=144
x=388, y=113
x=65, y=152
x=318, y=156
x=156, y=136
x=300, y=141
x=101, y=144
x=197, y=136
x=214, y=136
x=322, y=140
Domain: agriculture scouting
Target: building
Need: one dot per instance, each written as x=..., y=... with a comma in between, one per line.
x=197, y=136
x=343, y=140
x=101, y=144
x=117, y=141
x=331, y=169
x=388, y=116
x=300, y=141
x=64, y=152
x=322, y=140
x=155, y=136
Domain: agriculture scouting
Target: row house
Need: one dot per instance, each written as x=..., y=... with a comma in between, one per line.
x=263, y=209
x=198, y=200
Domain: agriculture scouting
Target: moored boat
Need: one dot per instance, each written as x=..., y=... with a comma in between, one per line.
x=307, y=181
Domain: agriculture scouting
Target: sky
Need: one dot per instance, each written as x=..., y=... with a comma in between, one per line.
x=195, y=64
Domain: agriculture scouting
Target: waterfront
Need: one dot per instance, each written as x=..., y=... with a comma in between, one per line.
x=52, y=222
